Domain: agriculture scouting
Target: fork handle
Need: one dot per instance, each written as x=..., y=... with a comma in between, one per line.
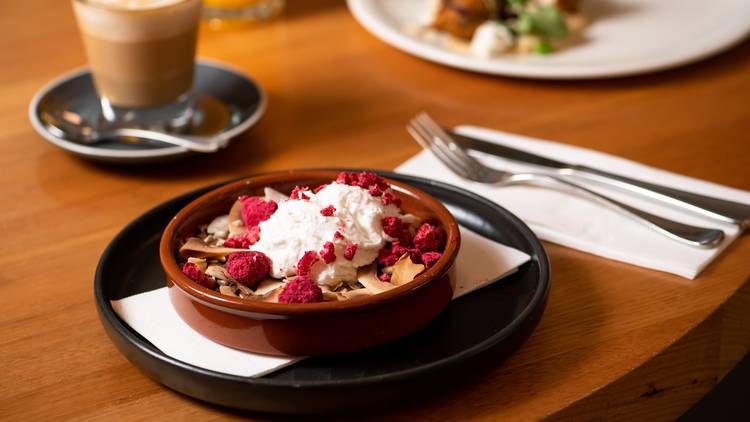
x=685, y=233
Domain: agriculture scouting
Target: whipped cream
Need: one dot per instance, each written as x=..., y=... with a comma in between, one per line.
x=298, y=226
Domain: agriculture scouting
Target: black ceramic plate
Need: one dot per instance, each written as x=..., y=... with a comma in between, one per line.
x=474, y=332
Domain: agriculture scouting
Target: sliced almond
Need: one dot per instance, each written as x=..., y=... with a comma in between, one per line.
x=367, y=276
x=234, y=220
x=218, y=272
x=244, y=290
x=196, y=248
x=404, y=270
x=227, y=290
x=199, y=262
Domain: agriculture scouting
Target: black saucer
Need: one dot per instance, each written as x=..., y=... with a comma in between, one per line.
x=474, y=332
x=230, y=102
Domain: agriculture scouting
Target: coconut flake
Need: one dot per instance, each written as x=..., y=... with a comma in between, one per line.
x=234, y=219
x=367, y=276
x=268, y=285
x=358, y=293
x=197, y=248
x=404, y=270
x=272, y=296
x=218, y=226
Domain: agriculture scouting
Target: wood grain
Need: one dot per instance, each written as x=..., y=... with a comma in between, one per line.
x=616, y=342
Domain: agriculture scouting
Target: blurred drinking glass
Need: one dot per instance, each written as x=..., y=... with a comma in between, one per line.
x=141, y=54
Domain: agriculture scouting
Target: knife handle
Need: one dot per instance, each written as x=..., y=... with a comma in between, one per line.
x=718, y=209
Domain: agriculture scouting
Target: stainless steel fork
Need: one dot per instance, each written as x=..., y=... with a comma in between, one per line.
x=433, y=138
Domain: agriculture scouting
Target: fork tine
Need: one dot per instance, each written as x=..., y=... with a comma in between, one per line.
x=425, y=141
x=450, y=149
x=437, y=146
x=435, y=129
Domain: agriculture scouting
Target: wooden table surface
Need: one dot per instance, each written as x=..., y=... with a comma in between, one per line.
x=616, y=341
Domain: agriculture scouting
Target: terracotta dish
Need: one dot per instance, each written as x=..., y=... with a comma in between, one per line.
x=309, y=328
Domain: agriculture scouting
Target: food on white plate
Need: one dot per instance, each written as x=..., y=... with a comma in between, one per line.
x=494, y=27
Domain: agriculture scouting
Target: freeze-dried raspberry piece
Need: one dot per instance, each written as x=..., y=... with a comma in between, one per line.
x=389, y=255
x=248, y=268
x=415, y=255
x=300, y=193
x=319, y=188
x=398, y=249
x=254, y=209
x=194, y=273
x=384, y=277
x=301, y=290
x=389, y=198
x=429, y=238
x=350, y=251
x=365, y=180
x=375, y=191
x=328, y=211
x=338, y=235
x=306, y=262
x=344, y=178
x=328, y=253
x=386, y=257
x=430, y=258
x=250, y=237
x=397, y=229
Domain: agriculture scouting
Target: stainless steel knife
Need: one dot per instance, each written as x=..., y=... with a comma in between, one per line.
x=715, y=208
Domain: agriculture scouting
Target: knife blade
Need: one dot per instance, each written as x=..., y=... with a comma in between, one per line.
x=718, y=209
x=508, y=153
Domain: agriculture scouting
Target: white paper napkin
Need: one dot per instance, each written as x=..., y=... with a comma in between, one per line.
x=570, y=220
x=480, y=262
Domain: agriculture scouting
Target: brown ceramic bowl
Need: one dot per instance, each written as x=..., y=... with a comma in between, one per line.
x=311, y=328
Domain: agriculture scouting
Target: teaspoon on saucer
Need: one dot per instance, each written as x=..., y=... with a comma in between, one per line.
x=76, y=129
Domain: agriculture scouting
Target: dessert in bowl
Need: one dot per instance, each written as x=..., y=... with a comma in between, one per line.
x=310, y=262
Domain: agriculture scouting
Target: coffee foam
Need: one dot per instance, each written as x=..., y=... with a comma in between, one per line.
x=136, y=20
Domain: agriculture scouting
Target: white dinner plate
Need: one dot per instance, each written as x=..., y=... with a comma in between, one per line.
x=623, y=37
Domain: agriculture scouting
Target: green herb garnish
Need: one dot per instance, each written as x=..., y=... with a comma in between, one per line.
x=545, y=21
x=543, y=48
